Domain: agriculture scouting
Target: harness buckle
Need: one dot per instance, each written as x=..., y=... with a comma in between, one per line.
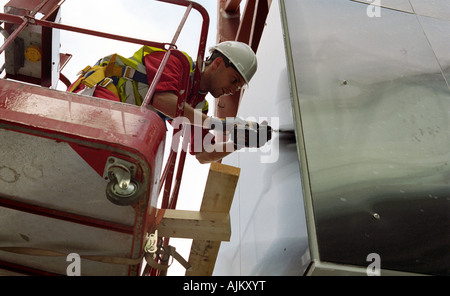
x=88, y=91
x=152, y=243
x=105, y=82
x=128, y=73
x=84, y=71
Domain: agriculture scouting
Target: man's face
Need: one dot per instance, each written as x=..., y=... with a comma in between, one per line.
x=225, y=80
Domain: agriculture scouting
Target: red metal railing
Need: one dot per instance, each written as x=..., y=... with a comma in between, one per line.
x=171, y=187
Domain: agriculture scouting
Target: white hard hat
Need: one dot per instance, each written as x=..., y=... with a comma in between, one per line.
x=241, y=56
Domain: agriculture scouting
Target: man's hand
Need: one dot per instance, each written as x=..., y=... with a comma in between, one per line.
x=251, y=135
x=244, y=133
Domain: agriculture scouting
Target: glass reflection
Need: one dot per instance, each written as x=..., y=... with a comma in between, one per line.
x=375, y=107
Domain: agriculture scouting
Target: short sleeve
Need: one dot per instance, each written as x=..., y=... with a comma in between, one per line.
x=170, y=79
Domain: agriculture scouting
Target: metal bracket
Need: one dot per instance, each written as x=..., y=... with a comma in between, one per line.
x=152, y=243
x=122, y=170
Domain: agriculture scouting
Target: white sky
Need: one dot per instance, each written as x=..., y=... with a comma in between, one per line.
x=144, y=19
x=148, y=20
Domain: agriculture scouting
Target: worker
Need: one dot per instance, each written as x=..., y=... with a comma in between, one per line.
x=229, y=68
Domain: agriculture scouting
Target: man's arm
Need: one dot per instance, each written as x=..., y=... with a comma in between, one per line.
x=166, y=102
x=246, y=133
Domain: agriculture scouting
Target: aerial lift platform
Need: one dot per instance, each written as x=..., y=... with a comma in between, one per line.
x=82, y=175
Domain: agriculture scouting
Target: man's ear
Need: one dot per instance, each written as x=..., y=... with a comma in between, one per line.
x=217, y=62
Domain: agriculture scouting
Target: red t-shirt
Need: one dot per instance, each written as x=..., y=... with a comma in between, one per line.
x=170, y=81
x=171, y=77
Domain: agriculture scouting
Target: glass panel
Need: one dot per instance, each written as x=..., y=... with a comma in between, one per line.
x=375, y=110
x=434, y=8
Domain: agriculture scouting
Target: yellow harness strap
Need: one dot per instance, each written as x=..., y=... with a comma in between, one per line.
x=98, y=77
x=95, y=77
x=130, y=80
x=111, y=69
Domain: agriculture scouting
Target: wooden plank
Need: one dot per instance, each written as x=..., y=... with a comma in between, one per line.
x=220, y=188
x=218, y=196
x=195, y=225
x=203, y=257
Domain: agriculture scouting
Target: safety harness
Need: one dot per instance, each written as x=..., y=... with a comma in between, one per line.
x=125, y=77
